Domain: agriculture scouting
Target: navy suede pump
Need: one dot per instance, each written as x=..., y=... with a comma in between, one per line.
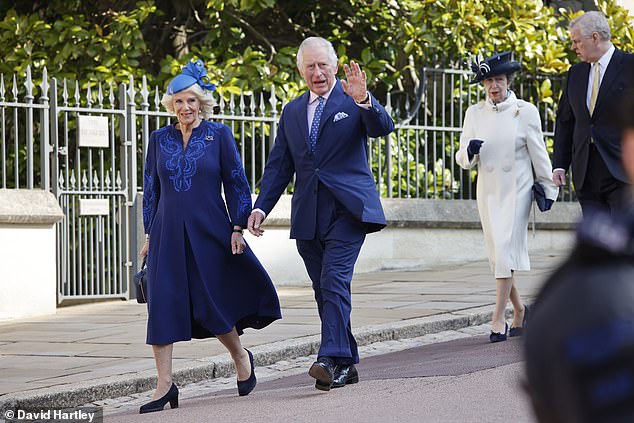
x=498, y=336
x=159, y=404
x=246, y=386
x=520, y=330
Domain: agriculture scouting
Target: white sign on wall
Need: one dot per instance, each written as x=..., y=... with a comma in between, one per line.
x=93, y=207
x=92, y=131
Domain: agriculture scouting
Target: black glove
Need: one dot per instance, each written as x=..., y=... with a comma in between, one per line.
x=474, y=148
x=548, y=204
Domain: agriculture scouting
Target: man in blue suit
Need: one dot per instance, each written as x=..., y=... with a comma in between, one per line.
x=322, y=140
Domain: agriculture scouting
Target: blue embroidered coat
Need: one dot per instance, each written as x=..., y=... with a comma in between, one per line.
x=196, y=287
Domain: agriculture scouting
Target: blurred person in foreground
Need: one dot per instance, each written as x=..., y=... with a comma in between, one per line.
x=203, y=279
x=502, y=135
x=580, y=346
x=322, y=140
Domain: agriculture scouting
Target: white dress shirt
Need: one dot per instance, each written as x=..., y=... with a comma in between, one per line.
x=312, y=105
x=602, y=63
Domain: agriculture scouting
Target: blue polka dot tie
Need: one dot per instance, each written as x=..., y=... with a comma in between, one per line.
x=314, y=128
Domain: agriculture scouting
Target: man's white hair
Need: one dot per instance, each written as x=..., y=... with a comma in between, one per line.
x=316, y=41
x=591, y=22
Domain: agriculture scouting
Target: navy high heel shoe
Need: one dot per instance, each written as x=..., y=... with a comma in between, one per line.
x=520, y=330
x=159, y=404
x=499, y=336
x=246, y=386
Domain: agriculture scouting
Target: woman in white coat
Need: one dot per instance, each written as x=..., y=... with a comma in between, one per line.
x=502, y=136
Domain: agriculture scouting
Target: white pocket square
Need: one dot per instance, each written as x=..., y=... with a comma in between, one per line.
x=339, y=116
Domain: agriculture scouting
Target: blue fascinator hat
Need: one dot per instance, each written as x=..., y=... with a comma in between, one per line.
x=498, y=64
x=192, y=73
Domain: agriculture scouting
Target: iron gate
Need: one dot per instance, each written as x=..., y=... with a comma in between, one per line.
x=95, y=187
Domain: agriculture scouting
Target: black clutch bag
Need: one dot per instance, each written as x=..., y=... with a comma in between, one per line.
x=140, y=282
x=540, y=196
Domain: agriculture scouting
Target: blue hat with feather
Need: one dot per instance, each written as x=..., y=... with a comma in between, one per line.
x=192, y=73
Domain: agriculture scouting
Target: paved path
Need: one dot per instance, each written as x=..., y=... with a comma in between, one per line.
x=85, y=345
x=452, y=376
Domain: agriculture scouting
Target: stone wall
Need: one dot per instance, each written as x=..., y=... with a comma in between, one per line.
x=28, y=282
x=420, y=234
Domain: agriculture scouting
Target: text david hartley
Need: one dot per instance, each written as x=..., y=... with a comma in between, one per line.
x=75, y=415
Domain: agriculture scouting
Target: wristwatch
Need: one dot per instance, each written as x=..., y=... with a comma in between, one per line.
x=366, y=100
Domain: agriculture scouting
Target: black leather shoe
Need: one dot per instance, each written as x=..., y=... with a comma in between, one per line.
x=323, y=370
x=159, y=404
x=345, y=374
x=246, y=386
x=520, y=331
x=498, y=336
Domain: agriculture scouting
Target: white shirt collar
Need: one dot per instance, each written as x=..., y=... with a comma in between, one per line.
x=314, y=96
x=604, y=61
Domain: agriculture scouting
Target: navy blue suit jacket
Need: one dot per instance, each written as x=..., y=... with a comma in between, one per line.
x=340, y=161
x=575, y=126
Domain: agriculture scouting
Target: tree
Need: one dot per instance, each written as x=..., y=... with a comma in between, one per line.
x=251, y=43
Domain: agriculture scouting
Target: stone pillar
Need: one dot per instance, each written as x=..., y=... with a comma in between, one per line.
x=28, y=282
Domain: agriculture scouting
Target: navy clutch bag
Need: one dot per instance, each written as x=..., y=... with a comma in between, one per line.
x=540, y=197
x=140, y=282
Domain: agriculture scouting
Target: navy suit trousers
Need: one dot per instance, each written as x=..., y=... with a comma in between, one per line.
x=329, y=259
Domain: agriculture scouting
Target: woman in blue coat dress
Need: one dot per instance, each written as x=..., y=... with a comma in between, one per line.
x=203, y=279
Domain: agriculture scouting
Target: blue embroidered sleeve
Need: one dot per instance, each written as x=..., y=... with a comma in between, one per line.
x=234, y=180
x=151, y=185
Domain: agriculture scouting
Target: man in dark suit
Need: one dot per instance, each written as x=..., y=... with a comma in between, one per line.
x=322, y=140
x=587, y=135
